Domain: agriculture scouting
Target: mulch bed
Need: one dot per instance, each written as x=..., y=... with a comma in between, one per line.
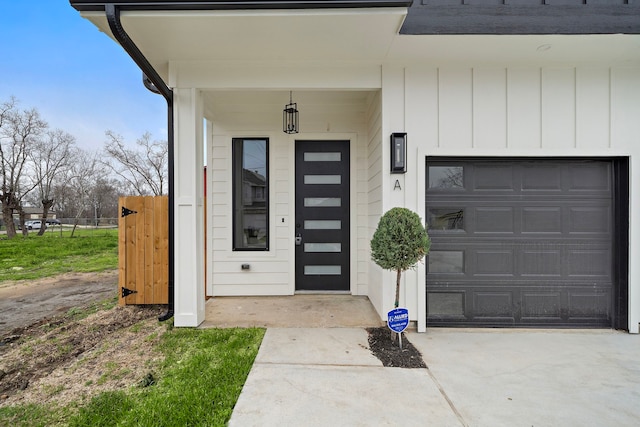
x=388, y=352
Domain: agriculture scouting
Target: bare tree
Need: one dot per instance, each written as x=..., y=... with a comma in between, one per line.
x=19, y=130
x=105, y=198
x=80, y=178
x=6, y=110
x=50, y=156
x=63, y=201
x=144, y=169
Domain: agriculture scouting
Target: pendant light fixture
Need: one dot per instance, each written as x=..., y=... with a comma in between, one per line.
x=290, y=117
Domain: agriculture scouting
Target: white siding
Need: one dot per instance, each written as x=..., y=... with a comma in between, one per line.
x=625, y=108
x=455, y=97
x=558, y=117
x=625, y=136
x=593, y=108
x=526, y=111
x=422, y=113
x=451, y=110
x=189, y=208
x=523, y=109
x=270, y=272
x=374, y=191
x=323, y=115
x=489, y=108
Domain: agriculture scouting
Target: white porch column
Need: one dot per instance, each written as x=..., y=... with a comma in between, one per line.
x=189, y=208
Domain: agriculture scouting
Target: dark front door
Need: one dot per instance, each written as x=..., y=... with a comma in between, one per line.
x=322, y=216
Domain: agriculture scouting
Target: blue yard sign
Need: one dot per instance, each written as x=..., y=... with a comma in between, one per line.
x=398, y=319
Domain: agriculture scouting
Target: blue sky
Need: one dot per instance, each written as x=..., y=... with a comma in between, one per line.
x=79, y=79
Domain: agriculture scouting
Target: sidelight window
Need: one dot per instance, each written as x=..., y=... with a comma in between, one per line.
x=250, y=194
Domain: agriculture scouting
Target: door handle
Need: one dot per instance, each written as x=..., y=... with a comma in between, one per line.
x=298, y=239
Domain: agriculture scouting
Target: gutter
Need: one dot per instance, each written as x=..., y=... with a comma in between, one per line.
x=173, y=5
x=153, y=82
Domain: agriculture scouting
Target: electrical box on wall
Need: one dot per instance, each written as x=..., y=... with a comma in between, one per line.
x=398, y=152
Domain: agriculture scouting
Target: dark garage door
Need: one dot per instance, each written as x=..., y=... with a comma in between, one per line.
x=519, y=242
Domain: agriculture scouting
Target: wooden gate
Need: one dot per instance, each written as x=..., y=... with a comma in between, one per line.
x=143, y=253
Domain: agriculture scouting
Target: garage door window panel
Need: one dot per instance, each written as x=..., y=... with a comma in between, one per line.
x=446, y=178
x=445, y=220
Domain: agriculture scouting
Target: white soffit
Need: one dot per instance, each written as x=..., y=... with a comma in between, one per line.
x=334, y=36
x=278, y=36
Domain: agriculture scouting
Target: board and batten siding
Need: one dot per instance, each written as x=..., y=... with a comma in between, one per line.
x=546, y=111
x=568, y=111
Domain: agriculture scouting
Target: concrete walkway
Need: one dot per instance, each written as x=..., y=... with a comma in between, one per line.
x=327, y=376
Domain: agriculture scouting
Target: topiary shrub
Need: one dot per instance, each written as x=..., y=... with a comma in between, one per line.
x=399, y=242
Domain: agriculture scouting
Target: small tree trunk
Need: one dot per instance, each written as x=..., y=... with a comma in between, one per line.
x=399, y=273
x=7, y=215
x=75, y=222
x=23, y=217
x=395, y=336
x=46, y=205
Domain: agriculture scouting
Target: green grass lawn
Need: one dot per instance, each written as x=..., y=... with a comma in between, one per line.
x=197, y=384
x=56, y=253
x=202, y=371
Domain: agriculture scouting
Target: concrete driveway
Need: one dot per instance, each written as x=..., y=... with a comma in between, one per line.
x=480, y=377
x=536, y=377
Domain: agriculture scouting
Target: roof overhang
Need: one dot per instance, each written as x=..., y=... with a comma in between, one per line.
x=353, y=32
x=94, y=5
x=328, y=35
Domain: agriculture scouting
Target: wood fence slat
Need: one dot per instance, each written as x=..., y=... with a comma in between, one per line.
x=143, y=250
x=138, y=297
x=161, y=265
x=122, y=244
x=148, y=248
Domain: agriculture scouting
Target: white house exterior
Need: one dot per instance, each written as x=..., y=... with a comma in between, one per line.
x=523, y=152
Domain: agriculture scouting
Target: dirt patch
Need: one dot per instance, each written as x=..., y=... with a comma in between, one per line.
x=388, y=351
x=48, y=355
x=26, y=301
x=61, y=360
